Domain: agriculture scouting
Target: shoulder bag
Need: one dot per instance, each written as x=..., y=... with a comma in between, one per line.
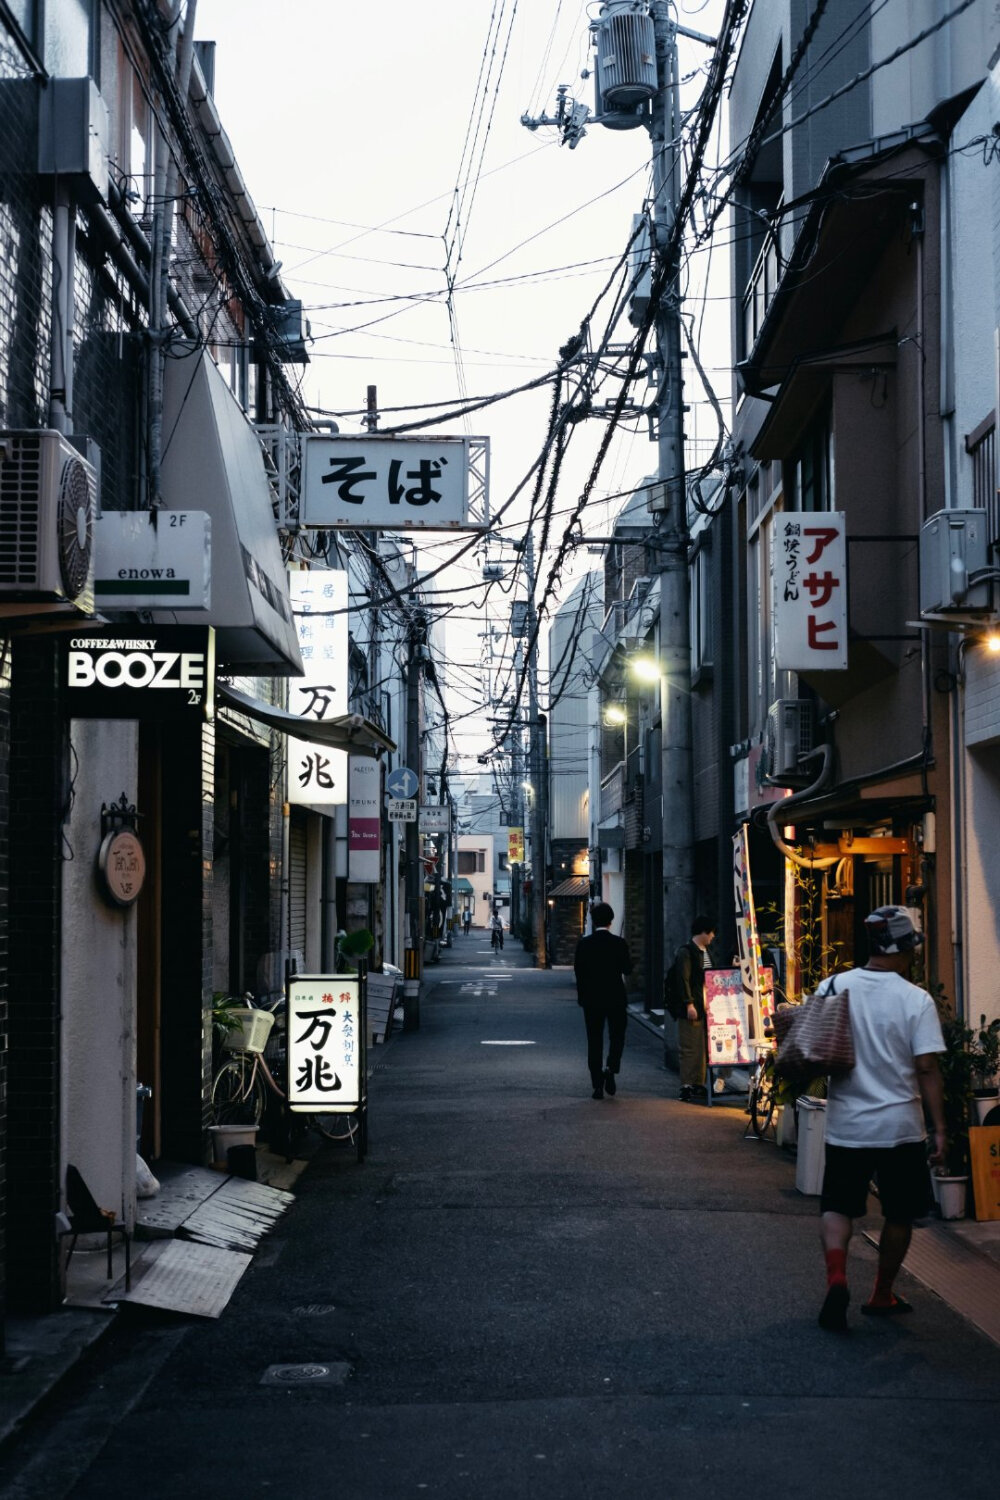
x=815, y=1039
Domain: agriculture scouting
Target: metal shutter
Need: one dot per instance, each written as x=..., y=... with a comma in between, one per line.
x=297, y=884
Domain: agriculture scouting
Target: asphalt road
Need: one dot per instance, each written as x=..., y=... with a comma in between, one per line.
x=525, y=1292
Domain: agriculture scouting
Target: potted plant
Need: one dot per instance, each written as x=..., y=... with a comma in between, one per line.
x=951, y=1181
x=352, y=946
x=985, y=1066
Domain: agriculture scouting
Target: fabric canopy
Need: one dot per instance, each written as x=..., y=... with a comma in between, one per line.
x=348, y=732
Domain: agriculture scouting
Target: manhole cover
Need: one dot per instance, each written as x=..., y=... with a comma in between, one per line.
x=334, y=1373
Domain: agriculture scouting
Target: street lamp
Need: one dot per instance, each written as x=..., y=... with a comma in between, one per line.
x=615, y=715
x=644, y=668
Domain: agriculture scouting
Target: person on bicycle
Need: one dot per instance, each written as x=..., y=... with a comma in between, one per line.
x=496, y=931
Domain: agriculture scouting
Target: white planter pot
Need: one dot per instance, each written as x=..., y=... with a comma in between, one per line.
x=224, y=1136
x=984, y=1105
x=951, y=1196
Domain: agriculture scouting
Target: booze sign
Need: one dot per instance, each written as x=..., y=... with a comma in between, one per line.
x=141, y=673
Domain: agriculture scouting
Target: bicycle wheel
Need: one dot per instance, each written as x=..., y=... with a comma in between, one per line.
x=762, y=1105
x=334, y=1127
x=238, y=1093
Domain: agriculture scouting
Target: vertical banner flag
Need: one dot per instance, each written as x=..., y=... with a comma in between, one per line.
x=809, y=565
x=316, y=774
x=324, y=1043
x=364, y=827
x=515, y=846
x=759, y=998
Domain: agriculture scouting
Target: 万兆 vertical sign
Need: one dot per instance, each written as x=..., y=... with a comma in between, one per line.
x=317, y=774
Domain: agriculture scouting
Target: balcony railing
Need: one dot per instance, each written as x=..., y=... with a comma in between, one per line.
x=760, y=292
x=981, y=448
x=613, y=792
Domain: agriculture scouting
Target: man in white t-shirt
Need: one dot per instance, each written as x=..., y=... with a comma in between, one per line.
x=875, y=1115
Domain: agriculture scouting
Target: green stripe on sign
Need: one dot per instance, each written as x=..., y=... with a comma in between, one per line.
x=142, y=586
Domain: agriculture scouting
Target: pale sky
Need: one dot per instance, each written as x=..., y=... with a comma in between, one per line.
x=359, y=130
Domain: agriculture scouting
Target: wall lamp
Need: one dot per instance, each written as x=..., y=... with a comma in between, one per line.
x=644, y=668
x=614, y=714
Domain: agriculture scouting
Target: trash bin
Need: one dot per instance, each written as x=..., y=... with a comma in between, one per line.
x=810, y=1160
x=142, y=1093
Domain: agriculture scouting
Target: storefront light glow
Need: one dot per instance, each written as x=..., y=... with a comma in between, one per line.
x=645, y=668
x=993, y=641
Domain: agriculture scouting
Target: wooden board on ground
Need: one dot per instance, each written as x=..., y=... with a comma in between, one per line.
x=237, y=1215
x=189, y=1278
x=181, y=1191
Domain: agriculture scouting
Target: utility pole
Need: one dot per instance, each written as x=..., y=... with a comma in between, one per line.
x=668, y=503
x=538, y=763
x=413, y=934
x=634, y=90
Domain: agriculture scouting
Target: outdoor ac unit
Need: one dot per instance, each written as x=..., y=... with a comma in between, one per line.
x=787, y=737
x=953, y=548
x=48, y=507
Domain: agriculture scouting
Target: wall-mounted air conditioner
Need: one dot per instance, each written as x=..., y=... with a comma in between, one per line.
x=48, y=509
x=953, y=547
x=73, y=133
x=788, y=736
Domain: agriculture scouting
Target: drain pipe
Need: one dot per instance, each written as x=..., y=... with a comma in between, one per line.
x=63, y=305
x=777, y=808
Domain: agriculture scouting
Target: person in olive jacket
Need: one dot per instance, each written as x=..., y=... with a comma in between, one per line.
x=600, y=963
x=685, y=1000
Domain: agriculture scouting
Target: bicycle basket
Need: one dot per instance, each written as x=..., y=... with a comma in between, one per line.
x=252, y=1032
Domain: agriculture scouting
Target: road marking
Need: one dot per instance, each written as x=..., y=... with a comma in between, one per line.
x=507, y=1044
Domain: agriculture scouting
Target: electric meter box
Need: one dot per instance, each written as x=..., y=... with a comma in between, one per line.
x=953, y=547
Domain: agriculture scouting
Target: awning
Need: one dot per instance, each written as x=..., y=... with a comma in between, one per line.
x=213, y=461
x=348, y=732
x=461, y=886
x=577, y=886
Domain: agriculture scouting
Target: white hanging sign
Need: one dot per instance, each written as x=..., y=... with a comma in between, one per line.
x=809, y=567
x=364, y=823
x=390, y=484
x=325, y=1054
x=317, y=774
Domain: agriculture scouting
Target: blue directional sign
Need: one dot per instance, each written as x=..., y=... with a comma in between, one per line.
x=402, y=782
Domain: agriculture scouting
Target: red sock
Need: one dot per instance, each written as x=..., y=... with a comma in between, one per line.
x=882, y=1296
x=836, y=1267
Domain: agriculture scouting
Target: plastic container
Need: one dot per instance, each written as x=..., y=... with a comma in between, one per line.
x=225, y=1136
x=811, y=1158
x=951, y=1196
x=252, y=1033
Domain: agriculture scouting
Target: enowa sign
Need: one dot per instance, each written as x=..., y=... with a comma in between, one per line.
x=159, y=676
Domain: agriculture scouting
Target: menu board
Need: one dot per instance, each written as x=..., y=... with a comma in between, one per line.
x=727, y=1023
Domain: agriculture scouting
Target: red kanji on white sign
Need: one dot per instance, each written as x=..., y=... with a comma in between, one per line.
x=809, y=564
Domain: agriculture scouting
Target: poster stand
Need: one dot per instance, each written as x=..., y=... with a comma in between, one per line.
x=734, y=1020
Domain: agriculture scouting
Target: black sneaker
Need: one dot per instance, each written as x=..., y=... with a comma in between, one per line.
x=685, y=1095
x=833, y=1313
x=598, y=1092
x=610, y=1087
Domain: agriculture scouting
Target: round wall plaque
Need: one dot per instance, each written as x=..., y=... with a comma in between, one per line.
x=121, y=864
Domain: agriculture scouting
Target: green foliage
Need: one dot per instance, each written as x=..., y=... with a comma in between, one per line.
x=986, y=1054
x=813, y=958
x=223, y=1019
x=353, y=945
x=957, y=1064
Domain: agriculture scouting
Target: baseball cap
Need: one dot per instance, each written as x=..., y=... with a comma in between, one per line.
x=890, y=930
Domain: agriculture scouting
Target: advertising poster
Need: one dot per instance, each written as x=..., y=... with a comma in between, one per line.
x=727, y=1017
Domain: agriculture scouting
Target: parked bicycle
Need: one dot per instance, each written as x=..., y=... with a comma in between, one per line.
x=239, y=1088
x=762, y=1102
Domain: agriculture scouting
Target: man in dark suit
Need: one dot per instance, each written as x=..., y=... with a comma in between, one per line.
x=601, y=962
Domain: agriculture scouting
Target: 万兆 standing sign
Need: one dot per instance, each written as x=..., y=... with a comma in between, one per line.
x=326, y=1043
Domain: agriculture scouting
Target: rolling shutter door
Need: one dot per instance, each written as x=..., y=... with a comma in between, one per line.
x=297, y=884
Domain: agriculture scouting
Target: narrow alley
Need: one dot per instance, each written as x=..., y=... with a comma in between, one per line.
x=526, y=1292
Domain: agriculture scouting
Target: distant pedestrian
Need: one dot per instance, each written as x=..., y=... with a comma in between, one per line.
x=466, y=920
x=875, y=1115
x=600, y=963
x=684, y=997
x=496, y=932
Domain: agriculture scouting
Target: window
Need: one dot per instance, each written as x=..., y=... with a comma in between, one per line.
x=809, y=472
x=471, y=861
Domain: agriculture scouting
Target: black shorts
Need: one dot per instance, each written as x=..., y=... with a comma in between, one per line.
x=900, y=1172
